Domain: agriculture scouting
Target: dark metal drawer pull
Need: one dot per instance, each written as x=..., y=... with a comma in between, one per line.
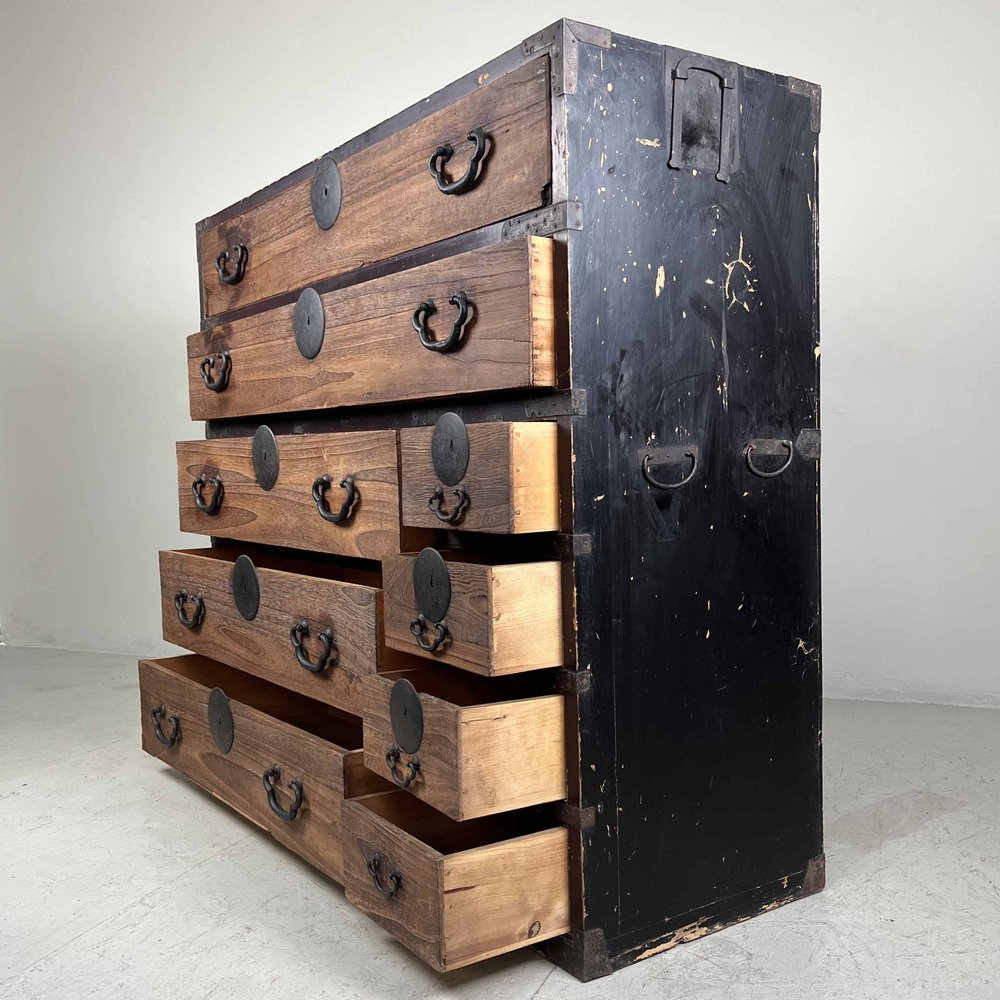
x=180, y=599
x=239, y=262
x=273, y=774
x=221, y=380
x=417, y=627
x=213, y=505
x=768, y=447
x=444, y=153
x=427, y=308
x=175, y=726
x=437, y=499
x=394, y=879
x=298, y=632
x=319, y=489
x=392, y=758
x=648, y=460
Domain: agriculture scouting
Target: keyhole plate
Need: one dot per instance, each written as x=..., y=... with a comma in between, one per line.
x=325, y=192
x=450, y=449
x=309, y=323
x=265, y=457
x=220, y=720
x=246, y=588
x=407, y=716
x=431, y=585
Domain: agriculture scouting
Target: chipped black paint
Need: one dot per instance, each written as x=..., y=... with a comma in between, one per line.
x=694, y=324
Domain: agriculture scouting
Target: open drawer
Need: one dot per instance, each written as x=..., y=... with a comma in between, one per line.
x=465, y=745
x=304, y=623
x=455, y=893
x=484, y=616
x=284, y=762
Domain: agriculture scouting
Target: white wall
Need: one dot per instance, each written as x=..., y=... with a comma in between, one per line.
x=124, y=123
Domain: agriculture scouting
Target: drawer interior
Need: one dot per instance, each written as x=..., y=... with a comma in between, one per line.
x=448, y=836
x=322, y=721
x=315, y=564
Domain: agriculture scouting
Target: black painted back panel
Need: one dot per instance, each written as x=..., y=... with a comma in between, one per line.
x=694, y=321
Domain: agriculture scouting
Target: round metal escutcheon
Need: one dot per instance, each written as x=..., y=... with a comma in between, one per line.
x=431, y=585
x=407, y=716
x=246, y=588
x=450, y=449
x=265, y=457
x=325, y=192
x=220, y=720
x=309, y=323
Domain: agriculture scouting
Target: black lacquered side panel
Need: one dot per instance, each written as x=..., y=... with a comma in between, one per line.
x=694, y=332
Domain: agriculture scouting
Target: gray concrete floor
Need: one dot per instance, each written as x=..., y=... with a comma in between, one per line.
x=119, y=879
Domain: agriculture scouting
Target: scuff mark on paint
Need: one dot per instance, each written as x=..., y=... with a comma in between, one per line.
x=661, y=280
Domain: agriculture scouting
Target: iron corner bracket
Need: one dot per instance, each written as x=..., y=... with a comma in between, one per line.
x=814, y=93
x=561, y=40
x=557, y=218
x=572, y=681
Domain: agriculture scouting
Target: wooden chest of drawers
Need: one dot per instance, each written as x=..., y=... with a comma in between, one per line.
x=510, y=618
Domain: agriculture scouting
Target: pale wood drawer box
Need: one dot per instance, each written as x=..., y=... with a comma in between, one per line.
x=490, y=618
x=455, y=893
x=308, y=626
x=500, y=477
x=381, y=200
x=335, y=493
x=462, y=745
x=233, y=734
x=398, y=337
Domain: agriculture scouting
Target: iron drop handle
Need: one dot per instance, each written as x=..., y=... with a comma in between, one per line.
x=417, y=627
x=193, y=620
x=387, y=884
x=175, y=726
x=238, y=260
x=437, y=499
x=219, y=382
x=322, y=484
x=647, y=461
x=460, y=300
x=297, y=633
x=392, y=759
x=444, y=153
x=208, y=506
x=273, y=774
x=756, y=469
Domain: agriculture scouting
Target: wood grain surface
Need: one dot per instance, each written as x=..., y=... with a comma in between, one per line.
x=512, y=481
x=183, y=684
x=475, y=759
x=370, y=352
x=503, y=619
x=287, y=515
x=263, y=646
x=390, y=202
x=467, y=890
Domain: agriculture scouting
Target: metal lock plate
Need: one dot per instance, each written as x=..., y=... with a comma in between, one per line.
x=431, y=585
x=246, y=588
x=450, y=449
x=265, y=457
x=309, y=323
x=407, y=716
x=325, y=192
x=808, y=442
x=220, y=720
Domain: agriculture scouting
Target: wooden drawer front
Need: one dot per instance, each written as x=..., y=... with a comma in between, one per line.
x=287, y=514
x=479, y=754
x=501, y=619
x=270, y=727
x=454, y=893
x=511, y=485
x=212, y=623
x=370, y=351
x=389, y=200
